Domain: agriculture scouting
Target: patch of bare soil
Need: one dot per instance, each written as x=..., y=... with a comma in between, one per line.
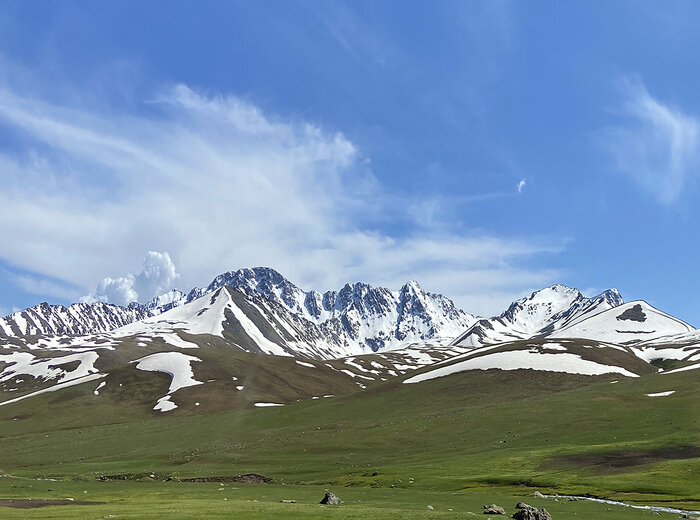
x=248, y=478
x=618, y=461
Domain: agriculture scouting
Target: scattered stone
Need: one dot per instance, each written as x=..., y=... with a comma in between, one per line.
x=430, y=508
x=331, y=500
x=493, y=509
x=531, y=513
x=374, y=473
x=288, y=501
x=537, y=494
x=522, y=505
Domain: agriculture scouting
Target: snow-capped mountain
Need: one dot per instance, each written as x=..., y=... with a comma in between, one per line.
x=359, y=317
x=253, y=337
x=372, y=317
x=248, y=321
x=626, y=324
x=79, y=318
x=541, y=314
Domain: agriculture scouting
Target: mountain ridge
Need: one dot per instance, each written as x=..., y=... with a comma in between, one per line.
x=368, y=317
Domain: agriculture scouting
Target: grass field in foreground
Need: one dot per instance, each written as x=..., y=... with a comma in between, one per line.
x=489, y=436
x=182, y=501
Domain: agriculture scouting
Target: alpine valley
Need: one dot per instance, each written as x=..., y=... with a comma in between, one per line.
x=359, y=388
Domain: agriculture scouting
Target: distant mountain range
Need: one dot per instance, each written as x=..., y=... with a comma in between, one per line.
x=358, y=317
x=252, y=334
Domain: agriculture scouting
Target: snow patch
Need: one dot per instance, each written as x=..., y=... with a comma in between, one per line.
x=524, y=359
x=662, y=394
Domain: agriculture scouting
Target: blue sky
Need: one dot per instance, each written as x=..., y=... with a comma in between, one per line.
x=485, y=149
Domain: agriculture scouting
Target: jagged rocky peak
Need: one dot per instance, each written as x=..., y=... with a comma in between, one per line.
x=166, y=301
x=611, y=296
x=265, y=281
x=78, y=318
x=359, y=315
x=542, y=313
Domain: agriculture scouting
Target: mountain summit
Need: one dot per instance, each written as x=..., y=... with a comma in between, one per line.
x=542, y=313
x=359, y=316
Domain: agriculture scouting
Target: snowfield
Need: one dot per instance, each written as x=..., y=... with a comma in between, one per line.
x=524, y=359
x=176, y=364
x=628, y=323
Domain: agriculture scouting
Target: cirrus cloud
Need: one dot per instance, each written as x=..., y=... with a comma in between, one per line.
x=658, y=147
x=220, y=184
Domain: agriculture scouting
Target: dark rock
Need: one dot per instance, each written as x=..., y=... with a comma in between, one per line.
x=633, y=314
x=522, y=505
x=331, y=500
x=531, y=513
x=493, y=509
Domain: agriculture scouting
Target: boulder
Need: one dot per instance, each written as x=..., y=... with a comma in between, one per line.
x=430, y=508
x=331, y=500
x=537, y=494
x=531, y=513
x=493, y=509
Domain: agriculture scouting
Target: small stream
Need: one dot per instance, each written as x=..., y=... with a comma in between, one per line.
x=659, y=509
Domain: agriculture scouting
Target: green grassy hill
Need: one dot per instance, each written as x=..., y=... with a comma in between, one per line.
x=479, y=434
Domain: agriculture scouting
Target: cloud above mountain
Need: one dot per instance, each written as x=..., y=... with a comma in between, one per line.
x=658, y=146
x=219, y=184
x=157, y=277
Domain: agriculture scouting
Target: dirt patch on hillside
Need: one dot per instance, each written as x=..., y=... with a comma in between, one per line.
x=33, y=503
x=248, y=478
x=618, y=461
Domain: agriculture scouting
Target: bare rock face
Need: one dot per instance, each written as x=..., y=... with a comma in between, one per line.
x=493, y=509
x=526, y=512
x=331, y=500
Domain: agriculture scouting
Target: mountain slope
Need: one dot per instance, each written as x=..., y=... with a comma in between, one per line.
x=370, y=317
x=629, y=323
x=79, y=318
x=542, y=313
x=580, y=357
x=357, y=318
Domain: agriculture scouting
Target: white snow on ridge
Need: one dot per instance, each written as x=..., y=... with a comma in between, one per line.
x=266, y=405
x=631, y=322
x=54, y=388
x=524, y=359
x=305, y=364
x=174, y=363
x=24, y=363
x=683, y=369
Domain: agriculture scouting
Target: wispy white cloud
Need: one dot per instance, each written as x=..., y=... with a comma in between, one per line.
x=42, y=286
x=521, y=185
x=219, y=184
x=659, y=147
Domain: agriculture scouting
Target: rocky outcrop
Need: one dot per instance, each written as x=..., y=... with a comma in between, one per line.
x=493, y=509
x=527, y=512
x=331, y=500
